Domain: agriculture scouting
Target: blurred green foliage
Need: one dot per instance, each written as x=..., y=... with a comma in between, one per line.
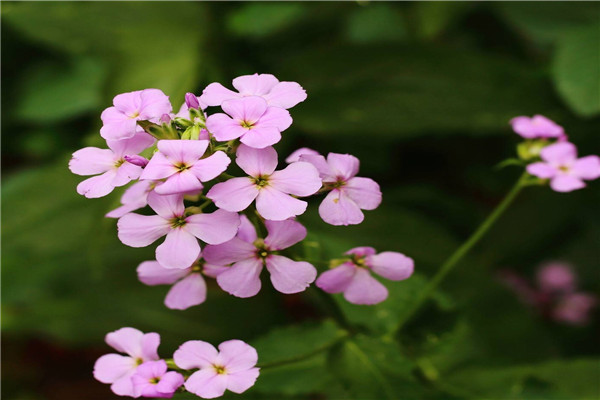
x=420, y=92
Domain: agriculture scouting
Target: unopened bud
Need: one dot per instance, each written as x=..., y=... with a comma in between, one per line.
x=165, y=118
x=191, y=100
x=136, y=160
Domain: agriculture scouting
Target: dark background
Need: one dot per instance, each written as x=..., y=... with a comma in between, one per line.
x=421, y=92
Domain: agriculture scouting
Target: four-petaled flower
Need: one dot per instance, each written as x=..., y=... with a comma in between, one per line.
x=232, y=367
x=151, y=379
x=249, y=254
x=537, y=127
x=354, y=279
x=180, y=249
x=270, y=188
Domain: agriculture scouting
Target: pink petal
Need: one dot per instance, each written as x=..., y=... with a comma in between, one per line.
x=275, y=117
x=256, y=162
x=391, y=265
x=212, y=270
x=320, y=163
x=126, y=173
x=210, y=167
x=286, y=95
x=237, y=356
x=290, y=276
x=246, y=231
x=98, y=186
x=129, y=102
x=247, y=109
x=124, y=386
x=239, y=382
x=206, y=383
x=179, y=250
x=339, y=209
x=559, y=153
x=195, y=354
x=364, y=192
x=566, y=183
x=116, y=125
x=150, y=343
x=124, y=209
x=361, y=251
x=224, y=128
x=111, y=367
x=364, y=289
x=234, y=195
x=151, y=273
x=91, y=161
x=542, y=170
x=141, y=230
x=242, y=279
x=137, y=192
x=229, y=252
x=126, y=340
x=215, y=94
x=134, y=145
x=257, y=84
x=277, y=206
x=556, y=277
x=215, y=228
x=183, y=151
x=343, y=165
x=261, y=137
x=295, y=156
x=299, y=179
x=159, y=167
x=169, y=382
x=154, y=103
x=587, y=168
x=180, y=182
x=338, y=279
x=284, y=234
x=167, y=206
x=186, y=293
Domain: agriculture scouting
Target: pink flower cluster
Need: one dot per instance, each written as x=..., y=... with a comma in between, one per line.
x=555, y=294
x=557, y=161
x=138, y=371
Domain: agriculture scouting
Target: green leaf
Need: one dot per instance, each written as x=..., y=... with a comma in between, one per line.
x=576, y=70
x=273, y=17
x=376, y=22
x=302, y=377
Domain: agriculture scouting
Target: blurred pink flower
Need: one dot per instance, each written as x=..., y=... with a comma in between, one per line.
x=536, y=127
x=151, y=379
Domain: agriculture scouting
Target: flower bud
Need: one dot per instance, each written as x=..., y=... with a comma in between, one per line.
x=191, y=100
x=136, y=160
x=165, y=118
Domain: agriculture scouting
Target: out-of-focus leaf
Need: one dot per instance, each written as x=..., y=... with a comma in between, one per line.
x=435, y=17
x=576, y=69
x=376, y=22
x=258, y=20
x=302, y=377
x=52, y=92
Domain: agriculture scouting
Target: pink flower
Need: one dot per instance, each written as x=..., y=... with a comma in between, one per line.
x=110, y=163
x=120, y=121
x=249, y=254
x=134, y=198
x=189, y=287
x=180, y=248
x=181, y=162
x=279, y=94
x=565, y=171
x=117, y=369
x=574, y=308
x=232, y=367
x=295, y=156
x=354, y=279
x=556, y=278
x=270, y=188
x=151, y=379
x=349, y=193
x=537, y=127
x=250, y=119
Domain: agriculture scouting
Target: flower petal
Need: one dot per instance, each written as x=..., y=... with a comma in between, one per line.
x=158, y=167
x=151, y=273
x=91, y=161
x=133, y=145
x=256, y=84
x=286, y=95
x=361, y=251
x=261, y=137
x=241, y=381
x=275, y=117
x=587, y=167
x=364, y=192
x=229, y=252
x=154, y=103
x=299, y=178
x=290, y=276
x=234, y=195
x=169, y=382
x=256, y=162
x=326, y=173
x=183, y=151
x=224, y=128
x=215, y=228
x=116, y=125
x=124, y=386
x=98, y=186
x=215, y=94
x=336, y=280
x=150, y=343
x=283, y=234
x=195, y=354
x=126, y=340
x=179, y=250
x=391, y=265
x=237, y=356
x=248, y=109
x=338, y=209
x=295, y=156
x=111, y=367
x=141, y=230
x=246, y=231
x=242, y=279
x=167, y=206
x=559, y=153
x=364, y=289
x=125, y=173
x=210, y=167
x=206, y=383
x=343, y=165
x=180, y=182
x=190, y=291
x=566, y=183
x=542, y=170
x=277, y=206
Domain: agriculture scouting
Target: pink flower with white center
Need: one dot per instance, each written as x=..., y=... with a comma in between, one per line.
x=110, y=165
x=232, y=367
x=565, y=171
x=120, y=121
x=574, y=308
x=250, y=119
x=556, y=278
x=134, y=198
x=180, y=248
x=181, y=163
x=117, y=369
x=189, y=287
x=271, y=189
x=279, y=94
x=354, y=279
x=349, y=194
x=295, y=156
x=249, y=254
x=537, y=127
x=151, y=379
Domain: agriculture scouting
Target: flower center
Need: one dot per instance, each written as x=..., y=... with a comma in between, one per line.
x=359, y=261
x=261, y=249
x=564, y=168
x=220, y=369
x=138, y=361
x=261, y=181
x=154, y=381
x=135, y=115
x=182, y=167
x=178, y=222
x=119, y=162
x=247, y=125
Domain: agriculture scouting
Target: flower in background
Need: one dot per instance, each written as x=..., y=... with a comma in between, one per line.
x=109, y=165
x=295, y=156
x=537, y=127
x=117, y=369
x=249, y=254
x=151, y=379
x=354, y=279
x=565, y=171
x=120, y=121
x=556, y=277
x=231, y=367
x=574, y=308
x=279, y=94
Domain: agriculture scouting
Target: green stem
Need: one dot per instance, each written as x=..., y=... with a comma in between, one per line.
x=463, y=250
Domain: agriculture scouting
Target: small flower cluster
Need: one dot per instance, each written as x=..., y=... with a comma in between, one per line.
x=550, y=155
x=555, y=294
x=197, y=366
x=219, y=225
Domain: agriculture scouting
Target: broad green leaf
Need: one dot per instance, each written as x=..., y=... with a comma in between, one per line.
x=302, y=377
x=376, y=22
x=259, y=20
